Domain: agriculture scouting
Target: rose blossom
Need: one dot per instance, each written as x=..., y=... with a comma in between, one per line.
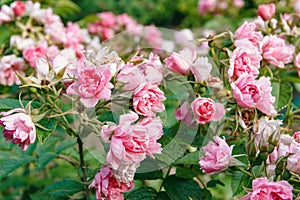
x=297, y=63
x=184, y=113
x=147, y=100
x=297, y=136
x=266, y=11
x=247, y=31
x=250, y=93
x=181, y=62
x=263, y=189
x=130, y=143
x=276, y=51
x=32, y=54
x=8, y=66
x=18, y=8
x=206, y=6
x=217, y=156
x=18, y=127
x=206, y=110
x=201, y=69
x=6, y=14
x=108, y=187
x=92, y=84
x=244, y=61
x=293, y=162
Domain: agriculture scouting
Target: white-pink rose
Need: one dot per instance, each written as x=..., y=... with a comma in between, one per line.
x=217, y=156
x=130, y=143
x=244, y=61
x=8, y=66
x=247, y=31
x=32, y=54
x=206, y=110
x=18, y=127
x=276, y=51
x=266, y=11
x=147, y=100
x=250, y=93
x=92, y=84
x=6, y=14
x=108, y=187
x=264, y=189
x=297, y=63
x=293, y=162
x=296, y=136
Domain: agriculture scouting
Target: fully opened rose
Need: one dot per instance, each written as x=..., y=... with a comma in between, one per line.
x=18, y=128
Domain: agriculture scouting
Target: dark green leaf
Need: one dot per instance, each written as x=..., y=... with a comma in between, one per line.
x=59, y=190
x=10, y=162
x=214, y=183
x=239, y=180
x=158, y=174
x=145, y=193
x=184, y=172
x=283, y=92
x=44, y=159
x=48, y=146
x=162, y=196
x=182, y=189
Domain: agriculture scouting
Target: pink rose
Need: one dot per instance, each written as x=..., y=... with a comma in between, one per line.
x=131, y=76
x=276, y=51
x=147, y=100
x=181, y=62
x=32, y=54
x=18, y=8
x=206, y=6
x=18, y=127
x=297, y=136
x=206, y=110
x=293, y=162
x=250, y=93
x=217, y=156
x=263, y=189
x=8, y=66
x=130, y=143
x=244, y=61
x=201, y=69
x=152, y=69
x=266, y=11
x=108, y=19
x=247, y=31
x=153, y=37
x=108, y=187
x=297, y=63
x=74, y=35
x=92, y=84
x=184, y=113
x=6, y=14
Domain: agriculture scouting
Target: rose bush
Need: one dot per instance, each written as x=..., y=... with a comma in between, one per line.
x=147, y=117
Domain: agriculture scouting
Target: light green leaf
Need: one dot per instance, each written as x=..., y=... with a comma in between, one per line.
x=283, y=92
x=190, y=158
x=49, y=127
x=65, y=144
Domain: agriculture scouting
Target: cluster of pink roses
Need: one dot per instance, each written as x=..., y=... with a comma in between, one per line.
x=109, y=24
x=43, y=35
x=214, y=6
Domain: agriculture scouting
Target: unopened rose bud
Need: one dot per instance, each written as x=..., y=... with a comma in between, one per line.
x=263, y=155
x=275, y=137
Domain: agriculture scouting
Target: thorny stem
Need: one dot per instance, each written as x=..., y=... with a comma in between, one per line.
x=83, y=167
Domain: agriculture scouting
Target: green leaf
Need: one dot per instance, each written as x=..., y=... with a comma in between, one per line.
x=145, y=193
x=214, y=183
x=49, y=125
x=65, y=144
x=65, y=7
x=9, y=104
x=5, y=33
x=182, y=189
x=171, y=152
x=290, y=79
x=44, y=159
x=239, y=180
x=158, y=174
x=190, y=158
x=48, y=146
x=59, y=190
x=184, y=172
x=283, y=92
x=162, y=196
x=10, y=162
